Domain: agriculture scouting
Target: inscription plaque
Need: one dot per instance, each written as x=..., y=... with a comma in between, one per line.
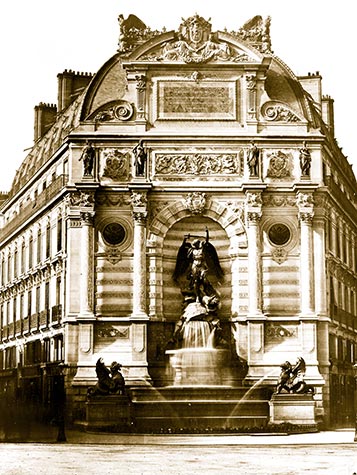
x=215, y=100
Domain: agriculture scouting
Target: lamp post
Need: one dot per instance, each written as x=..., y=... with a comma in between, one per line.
x=60, y=401
x=355, y=376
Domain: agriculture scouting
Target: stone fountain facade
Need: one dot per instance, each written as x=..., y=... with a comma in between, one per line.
x=192, y=129
x=221, y=148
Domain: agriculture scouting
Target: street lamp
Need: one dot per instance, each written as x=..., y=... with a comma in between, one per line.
x=355, y=401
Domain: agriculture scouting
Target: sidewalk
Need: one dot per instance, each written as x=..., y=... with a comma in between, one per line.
x=345, y=436
x=342, y=436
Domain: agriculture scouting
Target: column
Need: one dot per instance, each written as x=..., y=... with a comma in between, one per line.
x=319, y=265
x=254, y=213
x=87, y=265
x=255, y=318
x=306, y=214
x=139, y=265
x=138, y=370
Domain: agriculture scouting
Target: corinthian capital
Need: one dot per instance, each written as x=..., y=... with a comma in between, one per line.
x=138, y=199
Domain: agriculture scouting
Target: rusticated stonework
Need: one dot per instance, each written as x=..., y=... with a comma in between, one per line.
x=213, y=164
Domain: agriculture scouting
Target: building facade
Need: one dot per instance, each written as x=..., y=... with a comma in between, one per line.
x=178, y=132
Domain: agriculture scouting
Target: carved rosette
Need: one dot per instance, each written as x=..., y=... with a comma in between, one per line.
x=195, y=202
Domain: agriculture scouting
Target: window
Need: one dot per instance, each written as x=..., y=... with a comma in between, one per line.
x=23, y=257
x=48, y=240
x=39, y=237
x=29, y=303
x=59, y=234
x=30, y=257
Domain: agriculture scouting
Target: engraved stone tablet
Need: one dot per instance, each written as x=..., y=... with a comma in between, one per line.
x=213, y=100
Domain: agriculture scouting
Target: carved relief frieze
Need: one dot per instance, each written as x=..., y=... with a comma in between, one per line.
x=279, y=165
x=116, y=164
x=199, y=164
x=274, y=111
x=108, y=331
x=277, y=332
x=278, y=200
x=113, y=199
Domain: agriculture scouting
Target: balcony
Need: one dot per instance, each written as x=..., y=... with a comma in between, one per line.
x=34, y=322
x=344, y=318
x=56, y=314
x=44, y=319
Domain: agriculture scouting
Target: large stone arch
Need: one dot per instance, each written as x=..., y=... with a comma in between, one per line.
x=227, y=230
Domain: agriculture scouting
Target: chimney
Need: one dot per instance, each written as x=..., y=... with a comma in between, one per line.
x=312, y=84
x=328, y=115
x=45, y=116
x=70, y=85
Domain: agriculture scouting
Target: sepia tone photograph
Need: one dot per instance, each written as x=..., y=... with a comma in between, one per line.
x=178, y=238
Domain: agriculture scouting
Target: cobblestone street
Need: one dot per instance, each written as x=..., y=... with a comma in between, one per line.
x=149, y=455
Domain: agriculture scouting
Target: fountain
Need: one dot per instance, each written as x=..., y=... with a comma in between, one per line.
x=206, y=376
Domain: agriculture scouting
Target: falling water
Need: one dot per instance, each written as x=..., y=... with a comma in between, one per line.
x=197, y=334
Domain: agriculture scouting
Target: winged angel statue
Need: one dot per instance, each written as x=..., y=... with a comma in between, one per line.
x=197, y=271
x=197, y=264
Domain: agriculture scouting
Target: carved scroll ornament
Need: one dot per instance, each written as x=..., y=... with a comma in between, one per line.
x=274, y=111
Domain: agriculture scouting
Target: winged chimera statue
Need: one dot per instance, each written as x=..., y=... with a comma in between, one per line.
x=197, y=263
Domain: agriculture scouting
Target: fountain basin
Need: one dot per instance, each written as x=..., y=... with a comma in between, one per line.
x=200, y=366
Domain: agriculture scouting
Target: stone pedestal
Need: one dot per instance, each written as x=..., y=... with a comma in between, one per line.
x=296, y=409
x=111, y=413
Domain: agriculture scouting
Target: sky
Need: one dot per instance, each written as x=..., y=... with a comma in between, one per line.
x=41, y=38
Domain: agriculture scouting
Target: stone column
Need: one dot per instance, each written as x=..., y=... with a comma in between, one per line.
x=251, y=85
x=255, y=318
x=139, y=265
x=319, y=265
x=254, y=213
x=306, y=214
x=87, y=265
x=138, y=370
x=86, y=315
